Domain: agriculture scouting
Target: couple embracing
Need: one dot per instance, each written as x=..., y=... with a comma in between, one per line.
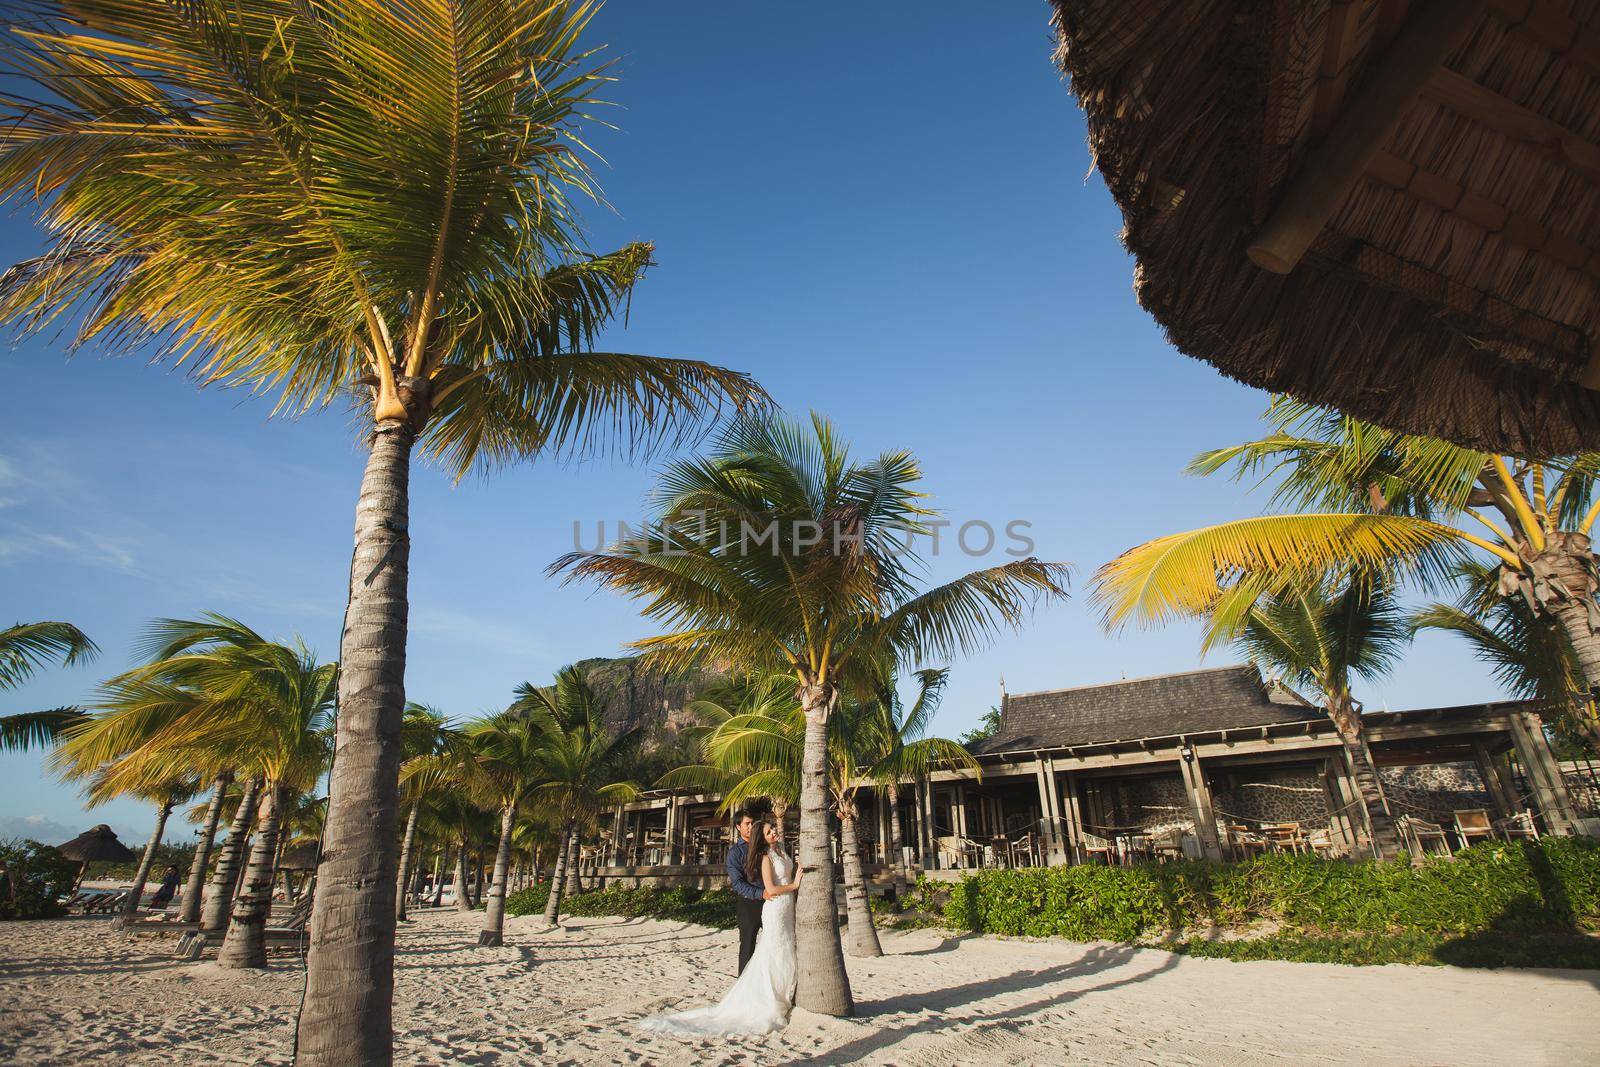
x=764, y=879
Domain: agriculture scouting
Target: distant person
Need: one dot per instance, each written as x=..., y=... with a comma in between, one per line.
x=168, y=889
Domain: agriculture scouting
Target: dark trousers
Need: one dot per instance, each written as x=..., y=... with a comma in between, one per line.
x=749, y=925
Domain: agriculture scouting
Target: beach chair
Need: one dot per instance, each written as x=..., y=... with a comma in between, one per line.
x=1022, y=851
x=289, y=932
x=1094, y=846
x=1473, y=823
x=1242, y=841
x=1167, y=844
x=1320, y=841
x=1421, y=831
x=1519, y=825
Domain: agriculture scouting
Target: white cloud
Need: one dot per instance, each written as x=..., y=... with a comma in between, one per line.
x=87, y=547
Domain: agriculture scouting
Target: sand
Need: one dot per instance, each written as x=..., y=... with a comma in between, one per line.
x=74, y=991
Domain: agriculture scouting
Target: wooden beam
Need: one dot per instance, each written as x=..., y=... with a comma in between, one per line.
x=1372, y=110
x=1546, y=24
x=1485, y=214
x=1528, y=128
x=1338, y=51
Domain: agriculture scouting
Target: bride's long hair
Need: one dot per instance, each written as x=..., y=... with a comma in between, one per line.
x=759, y=847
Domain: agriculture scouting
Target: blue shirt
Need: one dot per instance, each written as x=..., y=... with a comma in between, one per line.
x=737, y=879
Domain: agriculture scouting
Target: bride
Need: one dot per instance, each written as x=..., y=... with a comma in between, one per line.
x=762, y=997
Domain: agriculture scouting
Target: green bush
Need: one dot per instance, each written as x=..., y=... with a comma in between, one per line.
x=1491, y=949
x=710, y=907
x=529, y=901
x=38, y=876
x=1525, y=887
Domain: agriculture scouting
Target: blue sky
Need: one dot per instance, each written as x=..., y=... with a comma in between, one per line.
x=889, y=218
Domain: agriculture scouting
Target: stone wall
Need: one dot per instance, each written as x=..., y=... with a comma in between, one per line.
x=1434, y=791
x=1257, y=795
x=1583, y=785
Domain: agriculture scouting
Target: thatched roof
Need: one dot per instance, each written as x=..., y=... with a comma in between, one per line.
x=301, y=857
x=1437, y=161
x=99, y=843
x=1220, y=698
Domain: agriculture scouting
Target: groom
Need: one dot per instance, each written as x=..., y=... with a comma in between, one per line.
x=749, y=895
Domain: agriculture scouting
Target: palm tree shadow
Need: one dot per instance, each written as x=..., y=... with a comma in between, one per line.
x=1098, y=959
x=946, y=944
x=1539, y=933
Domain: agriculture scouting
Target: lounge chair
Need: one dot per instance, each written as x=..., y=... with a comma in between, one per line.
x=1167, y=844
x=1519, y=825
x=1473, y=823
x=1420, y=832
x=1095, y=845
x=290, y=932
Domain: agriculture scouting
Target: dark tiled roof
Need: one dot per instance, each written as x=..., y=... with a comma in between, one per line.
x=1217, y=699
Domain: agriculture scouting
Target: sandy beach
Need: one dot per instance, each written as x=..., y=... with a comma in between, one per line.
x=75, y=991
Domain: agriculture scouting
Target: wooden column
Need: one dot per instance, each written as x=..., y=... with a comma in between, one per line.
x=1495, y=780
x=1342, y=804
x=1050, y=820
x=1544, y=773
x=1325, y=174
x=1199, y=793
x=925, y=823
x=958, y=810
x=619, y=829
x=1070, y=832
x=672, y=854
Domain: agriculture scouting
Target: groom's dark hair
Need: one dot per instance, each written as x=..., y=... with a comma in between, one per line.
x=745, y=813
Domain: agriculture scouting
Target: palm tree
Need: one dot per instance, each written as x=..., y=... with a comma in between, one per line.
x=24, y=649
x=213, y=691
x=1365, y=498
x=1529, y=652
x=189, y=912
x=901, y=750
x=778, y=553
x=575, y=763
x=506, y=761
x=433, y=748
x=755, y=748
x=1320, y=637
x=367, y=202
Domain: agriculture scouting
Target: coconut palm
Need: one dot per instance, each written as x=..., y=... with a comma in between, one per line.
x=778, y=553
x=574, y=760
x=506, y=763
x=1528, y=652
x=1321, y=636
x=1365, y=498
x=753, y=747
x=433, y=748
x=897, y=748
x=24, y=649
x=216, y=691
x=189, y=911
x=363, y=201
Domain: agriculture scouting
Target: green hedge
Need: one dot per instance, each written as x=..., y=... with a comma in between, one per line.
x=707, y=907
x=38, y=876
x=1526, y=887
x=529, y=901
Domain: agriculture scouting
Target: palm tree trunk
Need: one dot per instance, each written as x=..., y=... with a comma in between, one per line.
x=1564, y=583
x=574, y=870
x=245, y=944
x=494, y=919
x=823, y=984
x=405, y=861
x=857, y=903
x=558, y=877
x=220, y=901
x=130, y=907
x=190, y=910
x=1381, y=831
x=438, y=876
x=897, y=852
x=348, y=1019
x=463, y=891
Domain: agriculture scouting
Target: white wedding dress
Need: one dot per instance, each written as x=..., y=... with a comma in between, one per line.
x=760, y=1001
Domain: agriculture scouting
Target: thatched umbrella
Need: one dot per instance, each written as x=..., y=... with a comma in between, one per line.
x=99, y=843
x=1389, y=207
x=301, y=857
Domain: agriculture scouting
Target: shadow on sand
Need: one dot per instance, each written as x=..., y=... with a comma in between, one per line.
x=1098, y=959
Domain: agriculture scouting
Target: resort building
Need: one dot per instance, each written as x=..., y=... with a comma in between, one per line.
x=1216, y=763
